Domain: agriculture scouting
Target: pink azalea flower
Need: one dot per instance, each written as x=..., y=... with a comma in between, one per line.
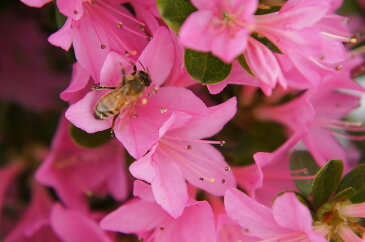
x=179, y=154
x=97, y=27
x=290, y=33
x=145, y=113
x=287, y=220
x=46, y=221
x=334, y=99
x=221, y=27
x=34, y=225
x=146, y=218
x=69, y=167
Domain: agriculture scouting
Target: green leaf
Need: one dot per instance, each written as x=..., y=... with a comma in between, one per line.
x=85, y=139
x=303, y=160
x=206, y=68
x=345, y=194
x=326, y=181
x=265, y=41
x=174, y=12
x=242, y=61
x=354, y=179
x=60, y=18
x=271, y=9
x=359, y=197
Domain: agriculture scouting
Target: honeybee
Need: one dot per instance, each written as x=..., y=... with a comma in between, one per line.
x=123, y=97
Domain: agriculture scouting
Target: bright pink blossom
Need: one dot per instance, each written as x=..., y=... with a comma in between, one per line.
x=97, y=27
x=180, y=154
x=221, y=27
x=76, y=172
x=287, y=220
x=333, y=100
x=46, y=221
x=146, y=218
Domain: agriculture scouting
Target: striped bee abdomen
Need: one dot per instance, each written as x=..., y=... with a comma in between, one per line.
x=109, y=105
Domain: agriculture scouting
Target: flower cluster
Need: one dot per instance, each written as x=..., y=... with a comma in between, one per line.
x=143, y=148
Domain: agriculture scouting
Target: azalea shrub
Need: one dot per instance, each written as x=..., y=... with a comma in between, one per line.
x=182, y=120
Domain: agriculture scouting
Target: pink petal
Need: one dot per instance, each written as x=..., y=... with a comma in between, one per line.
x=196, y=222
x=290, y=213
x=177, y=99
x=348, y=235
x=111, y=71
x=143, y=168
x=204, y=161
x=129, y=133
x=300, y=14
x=324, y=146
x=203, y=127
x=353, y=210
x=81, y=114
x=251, y=215
x=35, y=3
x=87, y=45
x=143, y=191
x=263, y=64
x=63, y=37
x=227, y=47
x=158, y=56
x=249, y=177
x=34, y=218
x=133, y=217
x=72, y=226
x=79, y=84
x=169, y=186
x=71, y=8
x=195, y=31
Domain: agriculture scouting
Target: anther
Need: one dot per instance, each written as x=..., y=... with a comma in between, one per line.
x=339, y=67
x=134, y=52
x=201, y=179
x=120, y=25
x=221, y=143
x=126, y=53
x=163, y=110
x=162, y=228
x=142, y=27
x=226, y=168
x=144, y=101
x=149, y=38
x=135, y=115
x=223, y=181
x=102, y=46
x=76, y=12
x=189, y=147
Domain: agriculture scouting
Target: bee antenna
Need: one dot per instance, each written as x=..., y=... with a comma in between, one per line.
x=142, y=65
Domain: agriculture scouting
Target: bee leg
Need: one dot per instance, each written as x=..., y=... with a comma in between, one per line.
x=98, y=87
x=124, y=79
x=113, y=123
x=134, y=68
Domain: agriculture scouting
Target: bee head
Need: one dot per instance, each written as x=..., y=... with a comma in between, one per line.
x=145, y=77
